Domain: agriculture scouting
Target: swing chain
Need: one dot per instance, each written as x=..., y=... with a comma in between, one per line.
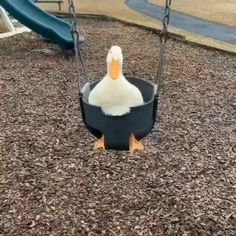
x=75, y=36
x=163, y=39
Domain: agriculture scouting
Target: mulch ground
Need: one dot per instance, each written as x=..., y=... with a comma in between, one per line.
x=53, y=183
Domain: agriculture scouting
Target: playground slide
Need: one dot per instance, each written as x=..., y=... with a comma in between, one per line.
x=41, y=22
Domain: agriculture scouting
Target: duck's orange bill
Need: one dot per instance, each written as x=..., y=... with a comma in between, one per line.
x=115, y=69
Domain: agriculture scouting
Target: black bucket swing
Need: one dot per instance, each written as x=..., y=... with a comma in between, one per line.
x=116, y=130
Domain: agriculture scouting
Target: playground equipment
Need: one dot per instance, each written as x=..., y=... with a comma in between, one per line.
x=9, y=23
x=116, y=130
x=41, y=22
x=59, y=2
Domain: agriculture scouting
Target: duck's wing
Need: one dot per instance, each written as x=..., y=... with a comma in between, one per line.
x=96, y=94
x=135, y=96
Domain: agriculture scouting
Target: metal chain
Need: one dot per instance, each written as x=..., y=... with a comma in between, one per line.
x=75, y=36
x=163, y=39
x=78, y=55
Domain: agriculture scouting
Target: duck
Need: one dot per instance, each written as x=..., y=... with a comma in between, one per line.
x=115, y=94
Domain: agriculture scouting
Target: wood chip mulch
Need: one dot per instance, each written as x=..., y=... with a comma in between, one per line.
x=53, y=183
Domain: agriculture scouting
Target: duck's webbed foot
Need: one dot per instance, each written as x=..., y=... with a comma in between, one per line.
x=100, y=144
x=134, y=144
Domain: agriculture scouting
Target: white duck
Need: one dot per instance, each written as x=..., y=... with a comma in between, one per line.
x=114, y=94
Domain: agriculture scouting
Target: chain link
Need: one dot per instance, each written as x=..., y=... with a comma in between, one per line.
x=75, y=36
x=163, y=39
x=78, y=55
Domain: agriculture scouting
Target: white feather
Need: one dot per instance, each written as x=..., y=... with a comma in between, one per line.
x=115, y=96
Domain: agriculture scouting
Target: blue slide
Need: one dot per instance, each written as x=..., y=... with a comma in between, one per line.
x=41, y=22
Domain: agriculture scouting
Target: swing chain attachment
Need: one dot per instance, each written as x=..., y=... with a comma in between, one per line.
x=75, y=36
x=163, y=39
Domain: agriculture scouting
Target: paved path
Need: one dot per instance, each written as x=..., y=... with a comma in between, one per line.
x=180, y=20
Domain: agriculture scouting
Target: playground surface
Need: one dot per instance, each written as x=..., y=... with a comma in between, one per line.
x=183, y=183
x=186, y=22
x=219, y=11
x=120, y=10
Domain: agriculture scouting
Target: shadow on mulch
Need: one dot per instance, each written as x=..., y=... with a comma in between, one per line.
x=53, y=183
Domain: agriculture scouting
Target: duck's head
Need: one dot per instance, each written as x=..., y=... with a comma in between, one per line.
x=114, y=62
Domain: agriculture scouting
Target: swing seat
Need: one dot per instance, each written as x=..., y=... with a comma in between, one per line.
x=117, y=129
